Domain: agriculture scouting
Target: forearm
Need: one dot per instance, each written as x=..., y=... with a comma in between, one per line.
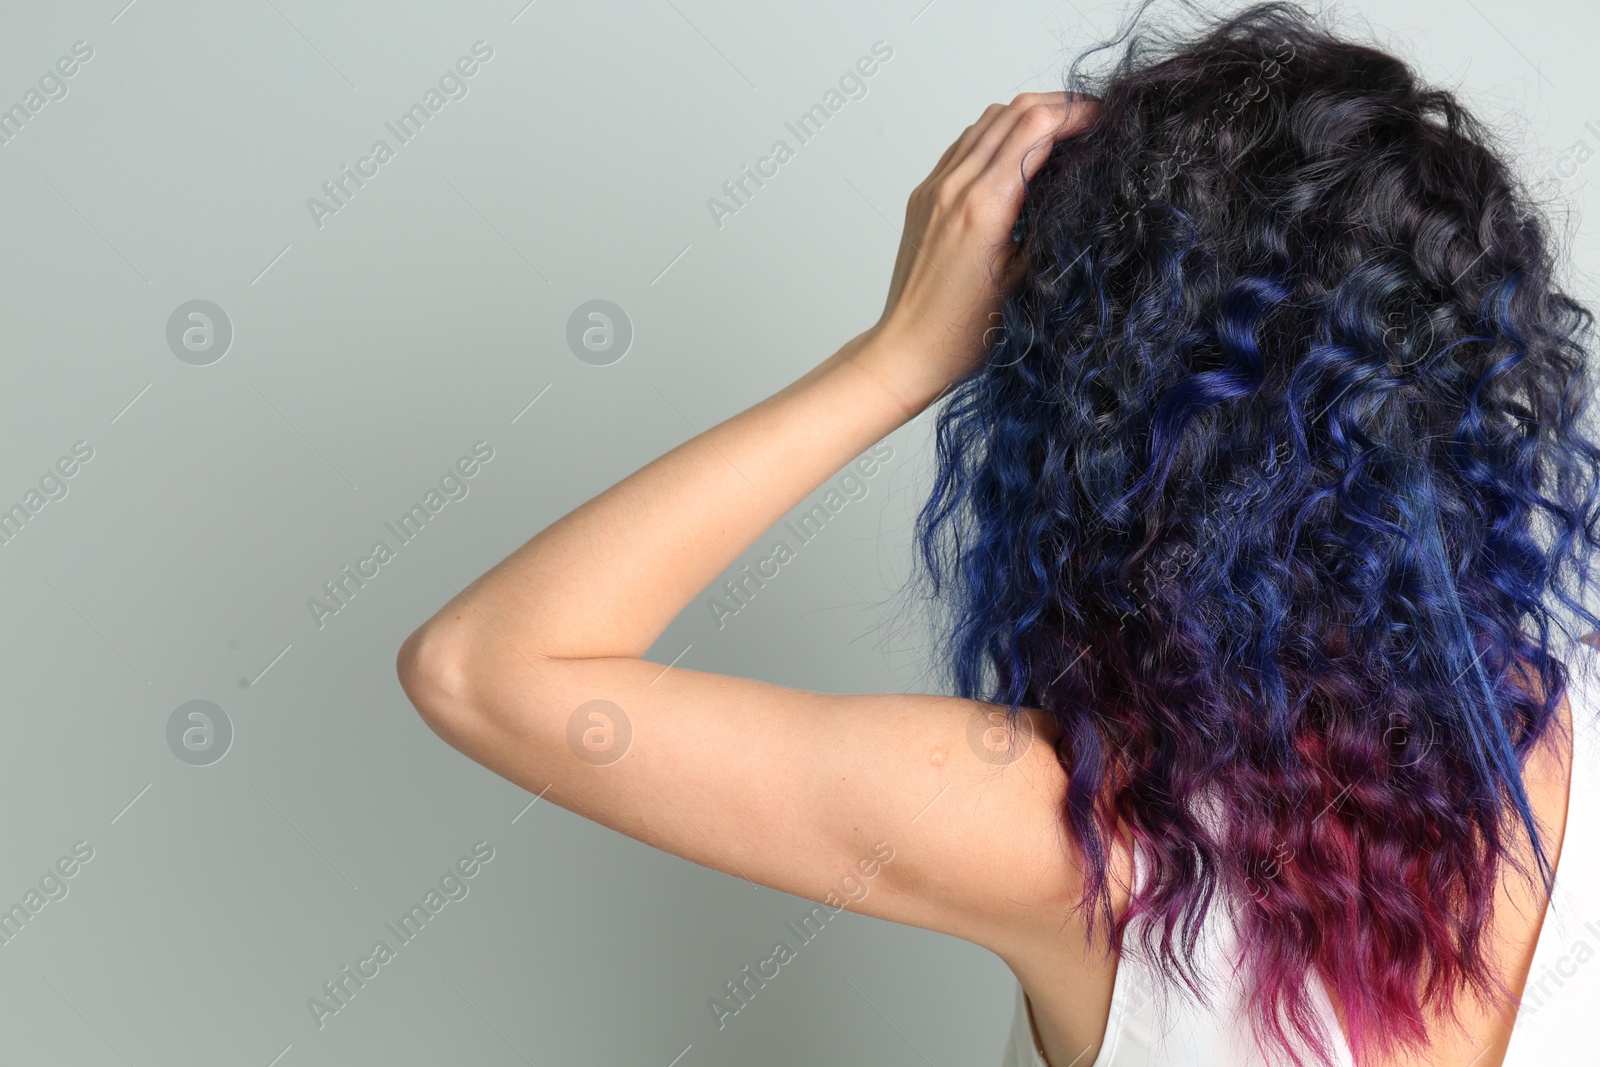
x=607, y=578
x=603, y=582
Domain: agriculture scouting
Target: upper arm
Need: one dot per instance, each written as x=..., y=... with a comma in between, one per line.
x=890, y=804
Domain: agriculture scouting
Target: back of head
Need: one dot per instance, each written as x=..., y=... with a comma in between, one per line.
x=1276, y=492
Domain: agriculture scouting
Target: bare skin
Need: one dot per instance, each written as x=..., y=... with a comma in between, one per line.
x=719, y=767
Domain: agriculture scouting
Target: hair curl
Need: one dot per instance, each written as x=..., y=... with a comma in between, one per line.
x=1274, y=492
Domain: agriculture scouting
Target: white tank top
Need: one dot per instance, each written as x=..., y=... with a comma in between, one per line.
x=1150, y=1026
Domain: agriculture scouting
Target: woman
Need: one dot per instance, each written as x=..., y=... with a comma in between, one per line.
x=1265, y=511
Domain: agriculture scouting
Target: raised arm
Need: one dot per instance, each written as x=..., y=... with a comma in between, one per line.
x=787, y=788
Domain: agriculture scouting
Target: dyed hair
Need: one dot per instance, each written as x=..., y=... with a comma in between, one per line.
x=1275, y=493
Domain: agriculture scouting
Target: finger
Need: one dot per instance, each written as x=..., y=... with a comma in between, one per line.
x=961, y=145
x=1028, y=142
x=988, y=141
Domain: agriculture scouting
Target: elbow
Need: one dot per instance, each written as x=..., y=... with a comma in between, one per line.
x=474, y=691
x=433, y=670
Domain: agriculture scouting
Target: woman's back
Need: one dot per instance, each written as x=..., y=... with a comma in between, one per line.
x=1272, y=498
x=1150, y=1022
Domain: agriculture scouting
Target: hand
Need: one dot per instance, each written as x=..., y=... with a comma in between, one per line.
x=943, y=295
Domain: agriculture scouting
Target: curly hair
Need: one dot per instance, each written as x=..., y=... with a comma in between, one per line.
x=1275, y=492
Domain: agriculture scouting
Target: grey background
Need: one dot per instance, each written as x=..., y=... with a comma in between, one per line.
x=368, y=355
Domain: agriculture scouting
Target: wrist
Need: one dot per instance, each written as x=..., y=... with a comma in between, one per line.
x=908, y=374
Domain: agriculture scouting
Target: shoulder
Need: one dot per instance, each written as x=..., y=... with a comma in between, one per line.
x=989, y=858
